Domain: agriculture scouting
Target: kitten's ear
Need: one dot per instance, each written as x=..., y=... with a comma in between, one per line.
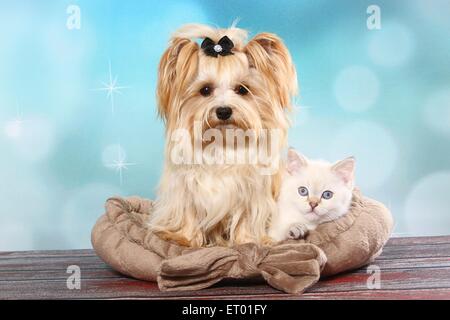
x=295, y=161
x=345, y=169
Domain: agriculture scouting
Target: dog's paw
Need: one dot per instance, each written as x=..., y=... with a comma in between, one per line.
x=297, y=231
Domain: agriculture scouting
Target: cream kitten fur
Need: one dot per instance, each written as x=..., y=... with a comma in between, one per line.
x=312, y=192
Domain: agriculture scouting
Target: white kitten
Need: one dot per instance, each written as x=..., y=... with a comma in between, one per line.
x=312, y=192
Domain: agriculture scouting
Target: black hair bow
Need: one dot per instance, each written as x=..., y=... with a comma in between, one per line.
x=223, y=47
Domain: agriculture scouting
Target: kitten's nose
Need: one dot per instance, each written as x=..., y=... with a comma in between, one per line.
x=224, y=113
x=313, y=204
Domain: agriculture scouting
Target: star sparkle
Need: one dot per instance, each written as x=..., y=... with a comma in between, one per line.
x=111, y=87
x=120, y=163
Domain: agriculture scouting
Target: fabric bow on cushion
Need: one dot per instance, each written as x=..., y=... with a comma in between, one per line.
x=290, y=267
x=122, y=239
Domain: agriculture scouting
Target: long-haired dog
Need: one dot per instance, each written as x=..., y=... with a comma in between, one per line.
x=204, y=90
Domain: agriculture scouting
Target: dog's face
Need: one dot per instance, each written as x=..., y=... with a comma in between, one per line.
x=226, y=93
x=248, y=89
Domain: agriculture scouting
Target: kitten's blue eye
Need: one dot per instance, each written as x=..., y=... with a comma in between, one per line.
x=327, y=195
x=303, y=191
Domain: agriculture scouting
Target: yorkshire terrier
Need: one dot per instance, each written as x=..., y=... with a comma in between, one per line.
x=210, y=82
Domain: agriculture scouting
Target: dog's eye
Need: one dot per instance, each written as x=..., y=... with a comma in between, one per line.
x=241, y=90
x=206, y=91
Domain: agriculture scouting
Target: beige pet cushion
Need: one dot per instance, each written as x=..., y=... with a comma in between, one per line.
x=120, y=237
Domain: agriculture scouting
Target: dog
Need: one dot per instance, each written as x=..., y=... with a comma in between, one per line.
x=225, y=83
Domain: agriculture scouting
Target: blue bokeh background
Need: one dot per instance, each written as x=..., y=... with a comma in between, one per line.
x=381, y=95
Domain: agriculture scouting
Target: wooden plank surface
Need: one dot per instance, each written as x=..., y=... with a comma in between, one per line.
x=411, y=268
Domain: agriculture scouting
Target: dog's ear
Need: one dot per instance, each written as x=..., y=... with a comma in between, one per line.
x=178, y=65
x=267, y=53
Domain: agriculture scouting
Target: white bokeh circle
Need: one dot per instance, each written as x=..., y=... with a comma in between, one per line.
x=427, y=205
x=82, y=210
x=33, y=139
x=373, y=147
x=437, y=112
x=356, y=88
x=392, y=45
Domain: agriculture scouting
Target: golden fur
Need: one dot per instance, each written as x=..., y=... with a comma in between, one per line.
x=202, y=204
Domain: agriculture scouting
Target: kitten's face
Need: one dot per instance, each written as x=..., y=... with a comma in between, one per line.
x=319, y=190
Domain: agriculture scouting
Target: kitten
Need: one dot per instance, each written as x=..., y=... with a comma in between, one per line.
x=312, y=192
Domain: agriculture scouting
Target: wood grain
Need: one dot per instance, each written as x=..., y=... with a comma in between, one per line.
x=411, y=268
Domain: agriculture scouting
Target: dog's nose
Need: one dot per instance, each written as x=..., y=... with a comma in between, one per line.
x=224, y=113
